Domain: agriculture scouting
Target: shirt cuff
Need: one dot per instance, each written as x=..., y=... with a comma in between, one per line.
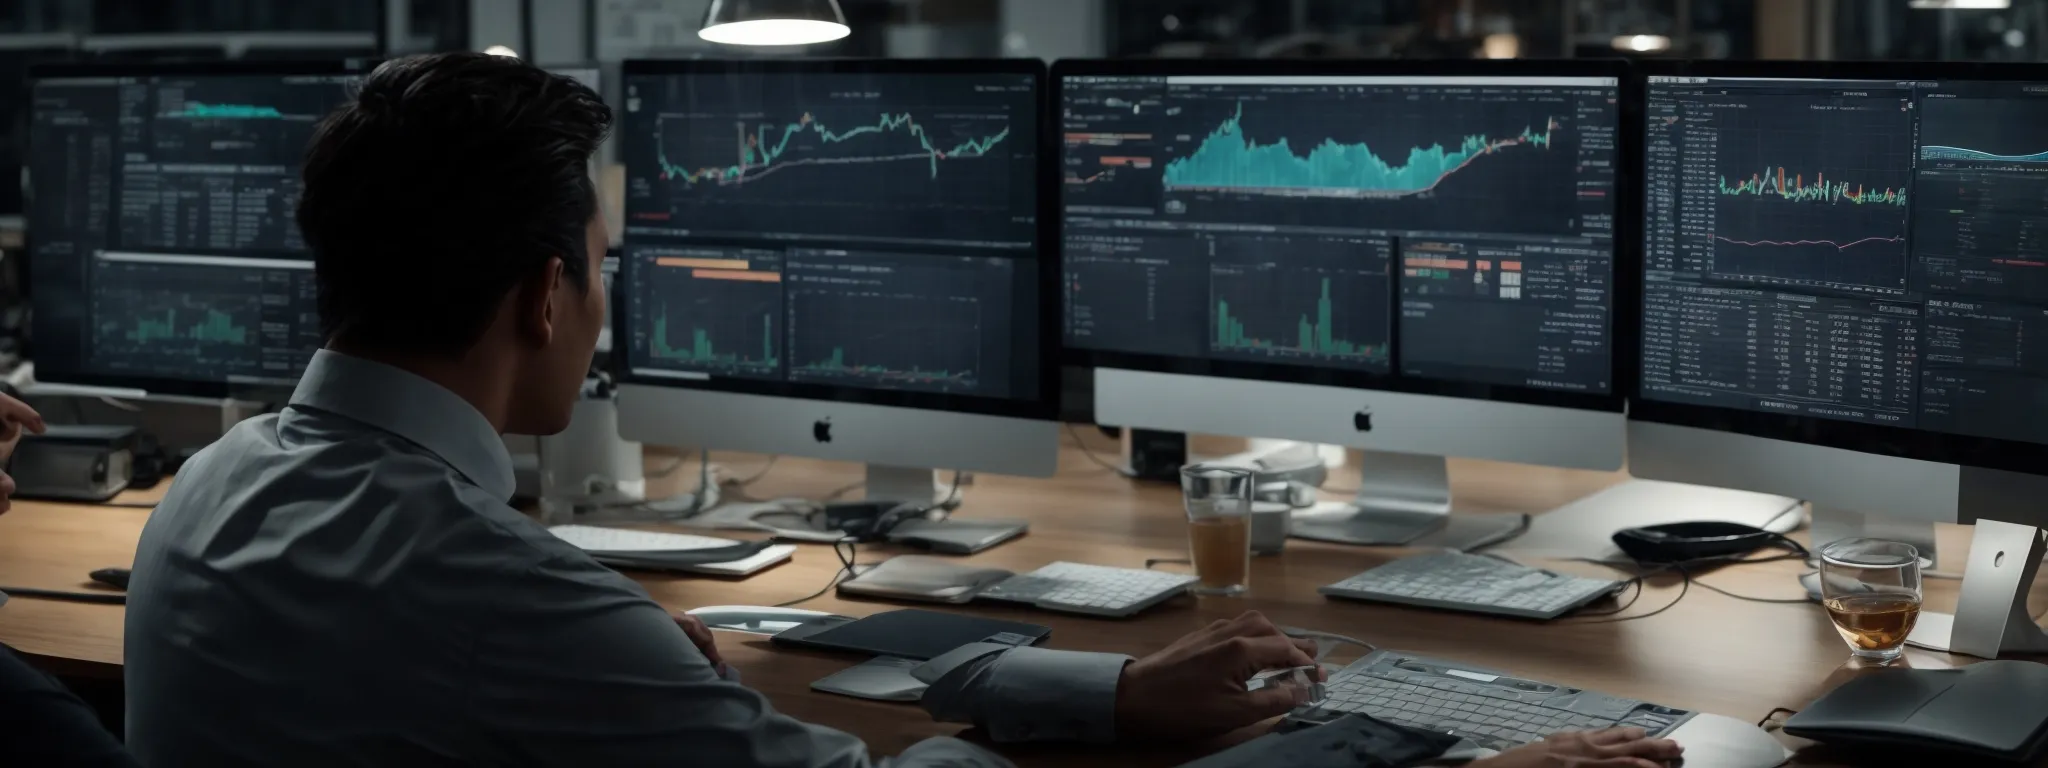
x=1038, y=694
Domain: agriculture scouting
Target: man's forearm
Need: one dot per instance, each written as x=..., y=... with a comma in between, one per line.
x=1032, y=694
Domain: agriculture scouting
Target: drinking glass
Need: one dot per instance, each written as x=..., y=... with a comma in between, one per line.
x=1219, y=504
x=1871, y=589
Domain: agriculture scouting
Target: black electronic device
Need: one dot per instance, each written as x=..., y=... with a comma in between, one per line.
x=1992, y=710
x=1695, y=542
x=163, y=255
x=908, y=633
x=1841, y=255
x=112, y=577
x=74, y=462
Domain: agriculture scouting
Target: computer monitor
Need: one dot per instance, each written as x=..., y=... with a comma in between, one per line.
x=1413, y=259
x=163, y=253
x=839, y=259
x=1845, y=288
x=17, y=54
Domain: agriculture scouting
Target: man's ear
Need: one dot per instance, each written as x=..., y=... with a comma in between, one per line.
x=536, y=303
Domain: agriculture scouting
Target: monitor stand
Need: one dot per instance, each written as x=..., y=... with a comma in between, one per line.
x=906, y=485
x=889, y=487
x=1403, y=499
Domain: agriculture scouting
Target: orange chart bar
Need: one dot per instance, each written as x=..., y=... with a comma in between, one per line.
x=729, y=274
x=1434, y=263
x=1134, y=162
x=689, y=263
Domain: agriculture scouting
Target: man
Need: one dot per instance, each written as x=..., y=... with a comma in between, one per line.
x=343, y=583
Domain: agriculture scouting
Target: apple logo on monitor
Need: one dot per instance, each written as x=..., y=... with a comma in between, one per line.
x=1362, y=420
x=821, y=430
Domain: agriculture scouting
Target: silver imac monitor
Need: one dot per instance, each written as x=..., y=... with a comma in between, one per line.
x=1412, y=259
x=839, y=259
x=1844, y=289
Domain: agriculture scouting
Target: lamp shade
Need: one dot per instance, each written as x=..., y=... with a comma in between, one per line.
x=773, y=22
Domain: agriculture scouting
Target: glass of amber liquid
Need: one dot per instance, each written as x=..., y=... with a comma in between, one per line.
x=1219, y=503
x=1872, y=592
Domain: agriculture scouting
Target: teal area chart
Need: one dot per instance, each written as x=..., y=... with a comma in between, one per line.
x=1227, y=160
x=1432, y=162
x=1984, y=134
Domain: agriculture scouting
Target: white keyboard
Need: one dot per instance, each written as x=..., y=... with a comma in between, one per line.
x=1098, y=590
x=1474, y=583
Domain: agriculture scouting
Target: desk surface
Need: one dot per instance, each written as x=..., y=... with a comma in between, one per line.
x=1710, y=652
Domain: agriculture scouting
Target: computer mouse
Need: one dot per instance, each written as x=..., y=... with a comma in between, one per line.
x=757, y=619
x=112, y=577
x=1719, y=741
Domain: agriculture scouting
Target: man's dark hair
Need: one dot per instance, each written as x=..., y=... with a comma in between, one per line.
x=448, y=180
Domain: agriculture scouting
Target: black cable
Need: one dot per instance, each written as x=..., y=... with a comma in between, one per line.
x=1099, y=461
x=107, y=598
x=846, y=565
x=1783, y=600
x=1774, y=713
x=1687, y=580
x=1636, y=582
x=758, y=474
x=1684, y=586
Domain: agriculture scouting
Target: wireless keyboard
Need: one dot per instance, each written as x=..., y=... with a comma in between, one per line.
x=1474, y=583
x=1097, y=590
x=1493, y=709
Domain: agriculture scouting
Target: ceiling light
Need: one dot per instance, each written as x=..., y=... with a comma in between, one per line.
x=773, y=22
x=1642, y=43
x=1501, y=45
x=1962, y=5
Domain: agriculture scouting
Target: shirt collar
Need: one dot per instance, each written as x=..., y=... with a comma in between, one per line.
x=411, y=407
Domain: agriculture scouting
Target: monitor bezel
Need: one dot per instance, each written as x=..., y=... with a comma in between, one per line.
x=1911, y=443
x=1625, y=236
x=154, y=385
x=1044, y=405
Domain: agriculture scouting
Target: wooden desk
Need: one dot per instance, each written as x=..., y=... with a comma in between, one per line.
x=1711, y=652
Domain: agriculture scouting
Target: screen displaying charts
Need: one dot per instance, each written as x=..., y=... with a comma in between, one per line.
x=831, y=230
x=1259, y=220
x=166, y=249
x=1864, y=251
x=833, y=158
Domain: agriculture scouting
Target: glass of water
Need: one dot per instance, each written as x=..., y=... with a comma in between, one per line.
x=1871, y=589
x=1219, y=504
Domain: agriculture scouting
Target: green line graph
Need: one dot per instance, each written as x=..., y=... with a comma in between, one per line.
x=1773, y=182
x=760, y=155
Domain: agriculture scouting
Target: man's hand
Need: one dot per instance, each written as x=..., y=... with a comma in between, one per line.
x=1195, y=687
x=15, y=416
x=1611, y=748
x=705, y=642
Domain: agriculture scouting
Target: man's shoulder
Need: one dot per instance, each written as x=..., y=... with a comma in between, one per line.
x=283, y=486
